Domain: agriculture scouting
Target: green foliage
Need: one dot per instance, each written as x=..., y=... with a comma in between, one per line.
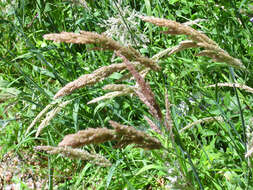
x=206, y=156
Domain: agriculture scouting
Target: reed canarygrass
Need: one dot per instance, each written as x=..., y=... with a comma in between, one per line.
x=193, y=22
x=50, y=115
x=144, y=91
x=211, y=49
x=109, y=95
x=206, y=120
x=76, y=154
x=152, y=125
x=41, y=114
x=88, y=136
x=117, y=87
x=129, y=135
x=182, y=46
x=124, y=135
x=103, y=42
x=89, y=79
x=103, y=72
x=119, y=90
x=138, y=67
x=232, y=85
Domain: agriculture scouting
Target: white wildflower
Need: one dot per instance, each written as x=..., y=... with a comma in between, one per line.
x=183, y=108
x=116, y=28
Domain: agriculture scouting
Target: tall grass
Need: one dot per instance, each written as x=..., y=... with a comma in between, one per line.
x=167, y=93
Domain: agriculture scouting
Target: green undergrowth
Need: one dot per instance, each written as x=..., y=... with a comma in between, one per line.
x=32, y=70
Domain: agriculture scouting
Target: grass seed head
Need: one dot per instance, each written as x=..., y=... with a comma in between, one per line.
x=144, y=92
x=206, y=120
x=109, y=95
x=89, y=79
x=42, y=113
x=50, y=115
x=88, y=136
x=124, y=135
x=76, y=154
x=152, y=125
x=103, y=42
x=212, y=50
x=232, y=85
x=129, y=135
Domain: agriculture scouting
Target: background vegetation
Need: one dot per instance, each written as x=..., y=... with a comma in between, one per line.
x=207, y=156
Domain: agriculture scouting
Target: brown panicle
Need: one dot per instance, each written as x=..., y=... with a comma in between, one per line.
x=144, y=93
x=76, y=154
x=104, y=42
x=129, y=135
x=88, y=136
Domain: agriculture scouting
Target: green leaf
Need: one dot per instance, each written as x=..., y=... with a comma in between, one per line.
x=173, y=1
x=111, y=172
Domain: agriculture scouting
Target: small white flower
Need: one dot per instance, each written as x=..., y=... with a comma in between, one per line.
x=116, y=28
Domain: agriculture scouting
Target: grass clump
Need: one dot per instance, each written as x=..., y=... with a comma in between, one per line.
x=159, y=91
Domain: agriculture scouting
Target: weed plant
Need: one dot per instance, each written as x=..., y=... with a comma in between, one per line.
x=178, y=114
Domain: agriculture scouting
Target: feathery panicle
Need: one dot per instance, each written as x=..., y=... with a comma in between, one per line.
x=207, y=120
x=236, y=85
x=119, y=90
x=89, y=79
x=176, y=28
x=40, y=115
x=152, y=110
x=109, y=95
x=129, y=135
x=144, y=93
x=117, y=87
x=193, y=22
x=169, y=51
x=152, y=124
x=212, y=50
x=210, y=53
x=105, y=42
x=76, y=154
x=161, y=54
x=142, y=70
x=50, y=115
x=83, y=38
x=221, y=56
x=182, y=46
x=88, y=136
x=124, y=135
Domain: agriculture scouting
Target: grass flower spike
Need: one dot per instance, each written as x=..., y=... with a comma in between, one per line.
x=124, y=135
x=89, y=79
x=76, y=154
x=199, y=39
x=102, y=42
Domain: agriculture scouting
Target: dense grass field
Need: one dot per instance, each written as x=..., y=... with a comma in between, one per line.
x=180, y=119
